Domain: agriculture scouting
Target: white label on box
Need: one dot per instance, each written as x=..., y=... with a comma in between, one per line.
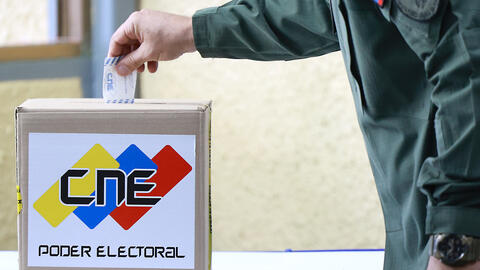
x=111, y=200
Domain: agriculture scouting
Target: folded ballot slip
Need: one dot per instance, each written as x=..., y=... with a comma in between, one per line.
x=116, y=88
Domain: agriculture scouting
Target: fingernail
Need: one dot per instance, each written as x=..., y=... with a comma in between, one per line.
x=122, y=70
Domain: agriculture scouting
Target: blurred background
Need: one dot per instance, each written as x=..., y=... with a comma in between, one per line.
x=289, y=167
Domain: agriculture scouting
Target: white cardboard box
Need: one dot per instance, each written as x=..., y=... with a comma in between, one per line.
x=116, y=186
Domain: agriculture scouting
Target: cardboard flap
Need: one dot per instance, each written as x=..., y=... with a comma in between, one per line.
x=83, y=104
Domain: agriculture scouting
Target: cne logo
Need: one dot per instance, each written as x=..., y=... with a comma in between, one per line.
x=125, y=188
x=109, y=83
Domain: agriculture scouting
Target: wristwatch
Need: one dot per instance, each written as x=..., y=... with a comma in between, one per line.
x=455, y=249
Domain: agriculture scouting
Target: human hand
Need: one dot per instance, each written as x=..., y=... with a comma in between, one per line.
x=436, y=264
x=151, y=36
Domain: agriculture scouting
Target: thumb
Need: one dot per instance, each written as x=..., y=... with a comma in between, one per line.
x=131, y=61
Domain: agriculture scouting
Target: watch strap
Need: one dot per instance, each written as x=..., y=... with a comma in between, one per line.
x=473, y=254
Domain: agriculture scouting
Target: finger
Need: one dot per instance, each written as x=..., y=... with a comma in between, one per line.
x=135, y=46
x=152, y=66
x=132, y=61
x=141, y=68
x=119, y=51
x=116, y=49
x=123, y=37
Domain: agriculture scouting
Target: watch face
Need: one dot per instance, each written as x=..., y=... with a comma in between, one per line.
x=451, y=249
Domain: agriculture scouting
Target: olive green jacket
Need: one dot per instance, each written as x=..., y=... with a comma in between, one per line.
x=413, y=78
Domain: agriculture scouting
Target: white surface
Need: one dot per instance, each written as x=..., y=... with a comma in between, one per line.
x=51, y=154
x=8, y=260
x=221, y=260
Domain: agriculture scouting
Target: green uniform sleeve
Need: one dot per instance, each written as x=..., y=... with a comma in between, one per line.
x=265, y=30
x=451, y=180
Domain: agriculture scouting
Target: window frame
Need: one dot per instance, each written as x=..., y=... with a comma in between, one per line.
x=79, y=44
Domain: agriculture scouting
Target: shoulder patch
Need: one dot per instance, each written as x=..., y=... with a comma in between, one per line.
x=379, y=2
x=421, y=10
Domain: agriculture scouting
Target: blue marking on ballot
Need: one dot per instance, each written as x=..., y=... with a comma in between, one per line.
x=112, y=61
x=109, y=81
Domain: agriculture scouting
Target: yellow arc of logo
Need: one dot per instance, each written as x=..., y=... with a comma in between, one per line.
x=49, y=205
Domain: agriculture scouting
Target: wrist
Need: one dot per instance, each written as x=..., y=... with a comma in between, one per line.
x=436, y=264
x=455, y=250
x=189, y=42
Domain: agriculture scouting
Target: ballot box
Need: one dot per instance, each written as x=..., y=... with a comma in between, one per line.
x=113, y=186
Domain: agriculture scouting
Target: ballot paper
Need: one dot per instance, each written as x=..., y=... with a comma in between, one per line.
x=116, y=88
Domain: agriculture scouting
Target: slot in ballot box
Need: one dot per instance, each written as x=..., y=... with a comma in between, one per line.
x=118, y=186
